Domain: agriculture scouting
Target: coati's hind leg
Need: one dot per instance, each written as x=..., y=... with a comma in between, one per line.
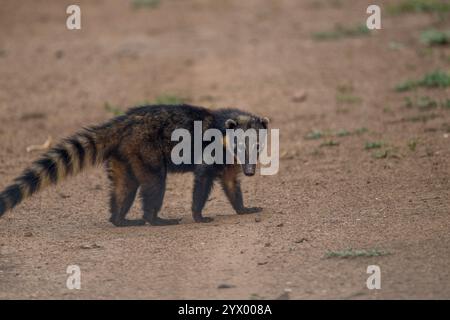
x=232, y=188
x=153, y=187
x=123, y=192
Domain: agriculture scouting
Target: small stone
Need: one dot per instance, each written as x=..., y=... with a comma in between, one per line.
x=257, y=219
x=261, y=263
x=59, y=54
x=283, y=296
x=90, y=246
x=225, y=286
x=28, y=234
x=280, y=225
x=299, y=96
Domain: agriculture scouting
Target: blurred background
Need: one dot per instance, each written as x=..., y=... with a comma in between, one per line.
x=364, y=118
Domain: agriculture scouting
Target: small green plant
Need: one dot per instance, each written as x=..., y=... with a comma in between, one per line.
x=409, y=102
x=318, y=134
x=137, y=4
x=419, y=6
x=373, y=145
x=345, y=94
x=351, y=253
x=169, y=99
x=380, y=154
x=343, y=133
x=362, y=130
x=348, y=98
x=422, y=118
x=395, y=45
x=421, y=103
x=435, y=38
x=446, y=104
x=143, y=103
x=115, y=110
x=255, y=296
x=426, y=103
x=412, y=144
x=342, y=32
x=387, y=109
x=435, y=79
x=406, y=86
x=329, y=143
x=314, y=135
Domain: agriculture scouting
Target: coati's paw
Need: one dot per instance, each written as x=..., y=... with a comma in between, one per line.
x=203, y=219
x=128, y=223
x=163, y=222
x=250, y=210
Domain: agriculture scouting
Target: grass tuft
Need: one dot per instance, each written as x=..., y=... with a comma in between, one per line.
x=329, y=143
x=151, y=4
x=342, y=32
x=426, y=103
x=435, y=38
x=343, y=133
x=314, y=135
x=380, y=154
x=361, y=130
x=419, y=6
x=318, y=134
x=345, y=94
x=169, y=99
x=435, y=79
x=412, y=144
x=115, y=110
x=446, y=104
x=350, y=253
x=373, y=145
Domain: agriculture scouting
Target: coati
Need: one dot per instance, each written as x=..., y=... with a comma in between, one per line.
x=136, y=148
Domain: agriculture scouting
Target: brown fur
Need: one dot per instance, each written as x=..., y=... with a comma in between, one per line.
x=137, y=149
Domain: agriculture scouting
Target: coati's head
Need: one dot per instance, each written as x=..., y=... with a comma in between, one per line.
x=248, y=143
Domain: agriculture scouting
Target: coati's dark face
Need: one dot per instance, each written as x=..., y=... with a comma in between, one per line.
x=248, y=146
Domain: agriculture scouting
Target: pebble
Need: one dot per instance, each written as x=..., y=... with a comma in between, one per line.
x=225, y=286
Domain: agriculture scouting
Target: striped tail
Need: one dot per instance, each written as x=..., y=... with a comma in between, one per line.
x=84, y=149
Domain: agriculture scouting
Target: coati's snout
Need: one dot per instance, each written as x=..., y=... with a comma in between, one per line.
x=246, y=146
x=249, y=169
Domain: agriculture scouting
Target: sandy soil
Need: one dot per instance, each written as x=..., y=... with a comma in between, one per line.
x=258, y=56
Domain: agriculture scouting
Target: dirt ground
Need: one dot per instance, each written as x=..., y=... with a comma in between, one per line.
x=259, y=56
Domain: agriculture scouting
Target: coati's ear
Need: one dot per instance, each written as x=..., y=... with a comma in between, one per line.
x=265, y=122
x=230, y=124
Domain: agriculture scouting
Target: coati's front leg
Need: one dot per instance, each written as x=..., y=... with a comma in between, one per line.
x=152, y=200
x=203, y=182
x=123, y=192
x=232, y=188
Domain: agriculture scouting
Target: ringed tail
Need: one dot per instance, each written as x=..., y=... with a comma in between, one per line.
x=86, y=148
